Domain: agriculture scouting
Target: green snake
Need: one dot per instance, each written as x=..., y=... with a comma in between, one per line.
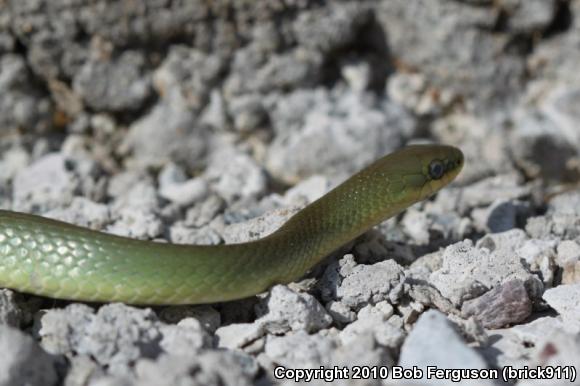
x=60, y=260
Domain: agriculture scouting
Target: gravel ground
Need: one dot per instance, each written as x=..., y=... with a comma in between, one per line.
x=213, y=121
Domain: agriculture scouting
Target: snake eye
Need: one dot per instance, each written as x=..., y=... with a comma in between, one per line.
x=436, y=169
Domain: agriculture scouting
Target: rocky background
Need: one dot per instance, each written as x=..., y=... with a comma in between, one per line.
x=213, y=121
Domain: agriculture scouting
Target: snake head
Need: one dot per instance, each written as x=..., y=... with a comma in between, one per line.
x=440, y=165
x=423, y=169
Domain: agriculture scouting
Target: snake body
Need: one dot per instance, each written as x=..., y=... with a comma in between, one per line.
x=56, y=259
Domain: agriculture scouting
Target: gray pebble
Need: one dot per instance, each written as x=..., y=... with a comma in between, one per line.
x=422, y=347
x=382, y=310
x=235, y=175
x=212, y=368
x=13, y=161
x=184, y=193
x=417, y=226
x=565, y=203
x=83, y=370
x=300, y=350
x=568, y=252
x=369, y=284
x=139, y=225
x=284, y=310
x=421, y=292
x=180, y=234
x=500, y=216
x=117, y=84
x=560, y=225
x=340, y=313
x=239, y=335
x=540, y=256
x=204, y=211
x=253, y=71
x=82, y=212
x=565, y=299
x=409, y=311
x=171, y=174
x=562, y=219
x=568, y=258
x=24, y=362
x=121, y=183
x=115, y=336
x=424, y=265
x=180, y=140
x=53, y=332
x=374, y=322
x=468, y=272
x=136, y=212
x=185, y=338
x=363, y=352
x=169, y=132
x=175, y=81
x=508, y=241
x=45, y=184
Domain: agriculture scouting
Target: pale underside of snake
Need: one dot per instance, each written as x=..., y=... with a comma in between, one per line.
x=60, y=260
